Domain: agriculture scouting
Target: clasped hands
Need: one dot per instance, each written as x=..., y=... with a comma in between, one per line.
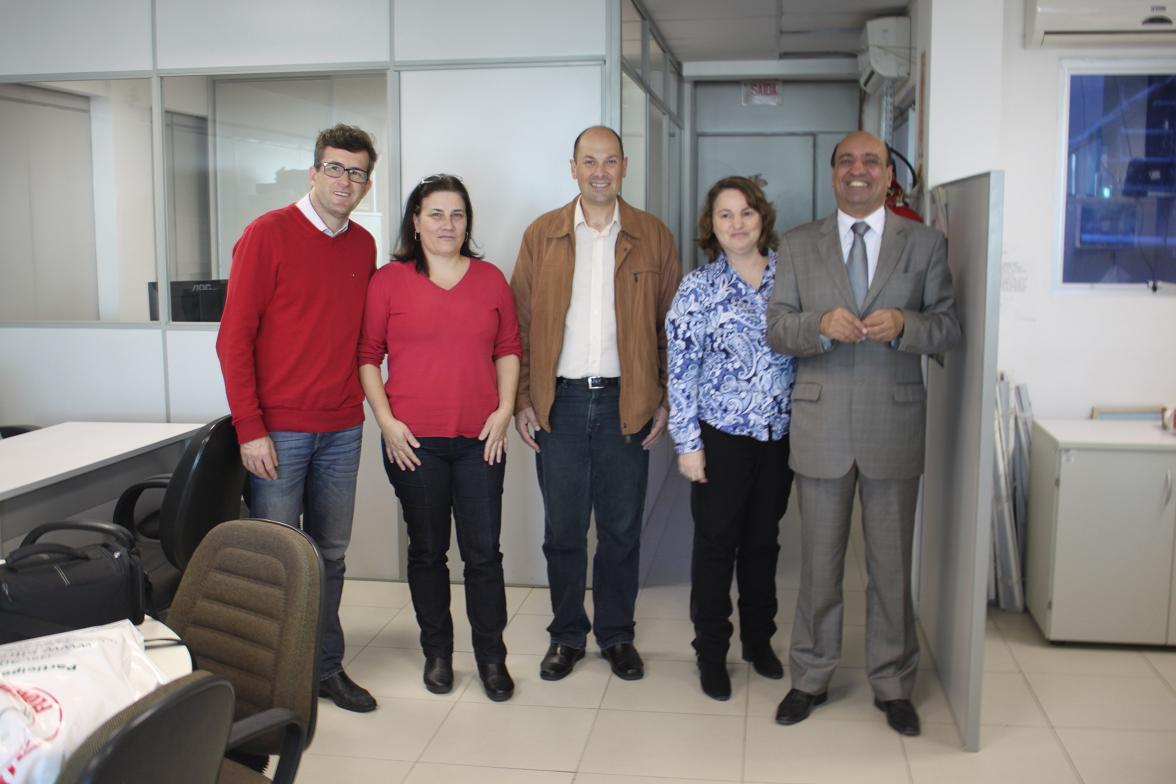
x=880, y=326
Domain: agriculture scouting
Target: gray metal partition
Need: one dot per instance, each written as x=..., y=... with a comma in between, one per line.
x=957, y=486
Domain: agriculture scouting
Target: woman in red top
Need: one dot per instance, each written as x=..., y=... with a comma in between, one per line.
x=445, y=318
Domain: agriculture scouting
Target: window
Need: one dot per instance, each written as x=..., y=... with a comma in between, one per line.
x=632, y=32
x=1120, y=169
x=235, y=148
x=77, y=210
x=633, y=122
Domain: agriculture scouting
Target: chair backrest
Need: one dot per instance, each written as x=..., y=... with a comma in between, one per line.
x=11, y=430
x=175, y=734
x=205, y=489
x=248, y=607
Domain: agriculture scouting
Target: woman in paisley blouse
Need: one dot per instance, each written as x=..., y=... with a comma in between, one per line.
x=729, y=413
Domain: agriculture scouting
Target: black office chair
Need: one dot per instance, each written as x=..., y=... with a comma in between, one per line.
x=176, y=734
x=204, y=490
x=8, y=431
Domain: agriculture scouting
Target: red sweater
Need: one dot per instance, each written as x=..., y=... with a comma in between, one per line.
x=287, y=337
x=441, y=345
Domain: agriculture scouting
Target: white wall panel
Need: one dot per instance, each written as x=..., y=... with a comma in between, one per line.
x=475, y=30
x=258, y=33
x=66, y=36
x=52, y=375
x=194, y=377
x=1077, y=348
x=508, y=133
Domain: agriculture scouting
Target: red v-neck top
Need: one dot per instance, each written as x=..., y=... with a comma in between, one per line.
x=441, y=345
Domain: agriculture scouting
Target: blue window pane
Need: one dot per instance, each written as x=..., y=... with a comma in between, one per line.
x=1121, y=180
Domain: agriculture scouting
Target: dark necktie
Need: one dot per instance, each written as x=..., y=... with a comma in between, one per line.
x=859, y=280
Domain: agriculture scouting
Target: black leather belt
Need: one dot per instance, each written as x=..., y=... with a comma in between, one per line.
x=592, y=382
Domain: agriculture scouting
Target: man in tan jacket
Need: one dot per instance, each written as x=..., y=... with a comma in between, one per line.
x=593, y=282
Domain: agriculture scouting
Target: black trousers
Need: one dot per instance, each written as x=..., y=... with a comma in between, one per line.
x=453, y=477
x=736, y=531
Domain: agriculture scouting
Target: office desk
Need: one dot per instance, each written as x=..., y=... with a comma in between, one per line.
x=59, y=471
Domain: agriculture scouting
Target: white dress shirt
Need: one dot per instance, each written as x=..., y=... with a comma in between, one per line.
x=307, y=209
x=872, y=237
x=590, y=328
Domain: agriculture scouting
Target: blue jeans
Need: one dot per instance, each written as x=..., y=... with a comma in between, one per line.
x=586, y=464
x=316, y=481
x=453, y=477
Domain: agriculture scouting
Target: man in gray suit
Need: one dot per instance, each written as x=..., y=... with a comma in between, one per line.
x=859, y=298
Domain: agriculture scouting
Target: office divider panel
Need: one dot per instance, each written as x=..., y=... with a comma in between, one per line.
x=957, y=486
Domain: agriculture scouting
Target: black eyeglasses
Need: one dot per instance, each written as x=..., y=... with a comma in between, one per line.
x=336, y=170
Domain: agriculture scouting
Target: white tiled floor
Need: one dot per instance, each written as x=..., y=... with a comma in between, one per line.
x=1069, y=714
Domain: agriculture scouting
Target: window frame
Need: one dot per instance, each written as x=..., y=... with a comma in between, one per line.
x=1069, y=68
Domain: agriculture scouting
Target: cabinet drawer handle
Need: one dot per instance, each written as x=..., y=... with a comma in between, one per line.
x=1167, y=489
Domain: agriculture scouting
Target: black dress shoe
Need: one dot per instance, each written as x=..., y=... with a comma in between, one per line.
x=439, y=674
x=797, y=705
x=900, y=715
x=625, y=661
x=346, y=693
x=764, y=660
x=716, y=683
x=496, y=681
x=559, y=661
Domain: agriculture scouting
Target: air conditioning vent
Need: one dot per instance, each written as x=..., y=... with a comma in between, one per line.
x=1098, y=23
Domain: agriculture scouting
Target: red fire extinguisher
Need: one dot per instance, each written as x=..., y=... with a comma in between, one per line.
x=896, y=199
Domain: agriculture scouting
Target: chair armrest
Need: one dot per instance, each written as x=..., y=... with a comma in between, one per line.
x=124, y=510
x=290, y=751
x=116, y=532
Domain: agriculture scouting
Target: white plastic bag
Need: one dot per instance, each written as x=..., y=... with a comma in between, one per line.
x=56, y=690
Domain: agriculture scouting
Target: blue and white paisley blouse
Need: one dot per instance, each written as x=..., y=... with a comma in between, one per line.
x=720, y=366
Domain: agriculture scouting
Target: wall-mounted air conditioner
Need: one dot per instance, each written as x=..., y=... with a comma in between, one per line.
x=1099, y=22
x=885, y=52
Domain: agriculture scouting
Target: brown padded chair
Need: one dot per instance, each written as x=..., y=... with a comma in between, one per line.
x=139, y=744
x=248, y=608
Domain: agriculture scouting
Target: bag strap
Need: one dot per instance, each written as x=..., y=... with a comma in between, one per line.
x=17, y=558
x=116, y=532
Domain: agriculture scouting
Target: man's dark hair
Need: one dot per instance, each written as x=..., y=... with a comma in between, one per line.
x=345, y=137
x=576, y=145
x=408, y=247
x=756, y=199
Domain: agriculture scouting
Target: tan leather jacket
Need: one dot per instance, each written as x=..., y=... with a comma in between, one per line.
x=646, y=277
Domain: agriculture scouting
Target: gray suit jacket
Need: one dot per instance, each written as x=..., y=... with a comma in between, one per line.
x=862, y=402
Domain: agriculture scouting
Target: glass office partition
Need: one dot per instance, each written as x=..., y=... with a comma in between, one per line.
x=633, y=121
x=238, y=147
x=76, y=211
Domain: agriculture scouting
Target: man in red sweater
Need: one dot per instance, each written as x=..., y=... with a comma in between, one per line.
x=287, y=351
